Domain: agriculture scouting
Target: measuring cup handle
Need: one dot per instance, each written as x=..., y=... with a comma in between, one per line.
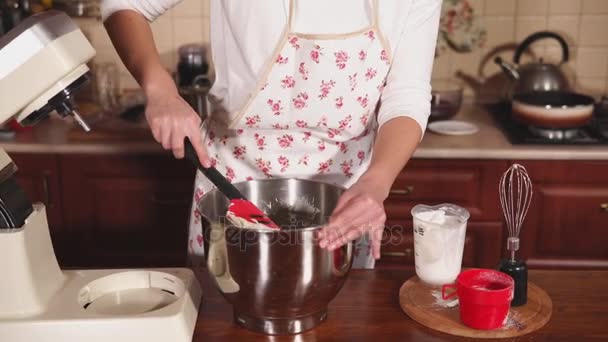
x=444, y=291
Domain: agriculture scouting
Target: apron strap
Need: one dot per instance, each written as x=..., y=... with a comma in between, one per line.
x=375, y=15
x=292, y=15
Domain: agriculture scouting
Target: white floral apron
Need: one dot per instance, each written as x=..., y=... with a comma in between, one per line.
x=312, y=116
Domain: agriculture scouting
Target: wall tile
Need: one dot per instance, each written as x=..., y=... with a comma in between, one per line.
x=189, y=8
x=592, y=62
x=467, y=63
x=500, y=30
x=565, y=6
x=595, y=6
x=499, y=7
x=567, y=26
x=441, y=66
x=206, y=8
x=591, y=86
x=532, y=7
x=525, y=26
x=162, y=29
x=594, y=30
x=187, y=31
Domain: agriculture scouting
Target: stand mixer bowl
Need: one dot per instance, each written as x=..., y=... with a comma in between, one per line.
x=278, y=282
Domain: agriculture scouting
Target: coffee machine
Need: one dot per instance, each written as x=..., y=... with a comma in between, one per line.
x=42, y=63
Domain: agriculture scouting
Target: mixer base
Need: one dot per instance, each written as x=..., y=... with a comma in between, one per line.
x=280, y=326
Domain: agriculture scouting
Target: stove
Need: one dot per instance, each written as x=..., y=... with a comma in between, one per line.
x=595, y=133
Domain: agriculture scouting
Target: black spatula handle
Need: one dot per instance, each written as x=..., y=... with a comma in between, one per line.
x=212, y=173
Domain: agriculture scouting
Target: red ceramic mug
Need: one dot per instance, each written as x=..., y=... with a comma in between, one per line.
x=484, y=297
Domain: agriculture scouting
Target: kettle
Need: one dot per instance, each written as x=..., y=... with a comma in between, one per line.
x=539, y=76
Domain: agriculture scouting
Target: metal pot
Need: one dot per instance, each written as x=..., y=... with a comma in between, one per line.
x=553, y=109
x=540, y=76
x=278, y=282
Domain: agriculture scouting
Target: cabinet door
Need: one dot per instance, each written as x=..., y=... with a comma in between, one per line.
x=567, y=225
x=571, y=224
x=468, y=183
x=128, y=211
x=482, y=245
x=38, y=176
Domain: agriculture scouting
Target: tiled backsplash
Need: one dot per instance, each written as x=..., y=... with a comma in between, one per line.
x=584, y=24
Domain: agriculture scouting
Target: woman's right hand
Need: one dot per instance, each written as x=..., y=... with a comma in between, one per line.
x=171, y=119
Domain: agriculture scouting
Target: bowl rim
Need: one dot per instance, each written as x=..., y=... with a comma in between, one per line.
x=269, y=180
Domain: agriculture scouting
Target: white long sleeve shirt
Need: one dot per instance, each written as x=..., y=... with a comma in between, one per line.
x=244, y=34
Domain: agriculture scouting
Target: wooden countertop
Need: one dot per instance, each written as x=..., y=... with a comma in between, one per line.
x=57, y=136
x=367, y=309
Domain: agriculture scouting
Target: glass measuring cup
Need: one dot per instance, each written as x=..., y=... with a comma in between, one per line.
x=439, y=233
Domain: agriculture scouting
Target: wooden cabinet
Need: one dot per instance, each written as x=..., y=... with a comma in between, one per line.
x=127, y=210
x=38, y=176
x=568, y=221
x=472, y=184
x=133, y=210
x=482, y=245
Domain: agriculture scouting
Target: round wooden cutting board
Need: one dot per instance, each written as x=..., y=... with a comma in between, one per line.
x=418, y=302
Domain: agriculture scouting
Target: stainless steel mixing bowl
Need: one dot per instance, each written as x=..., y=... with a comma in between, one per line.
x=278, y=282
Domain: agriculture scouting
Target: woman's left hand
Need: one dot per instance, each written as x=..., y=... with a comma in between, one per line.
x=359, y=210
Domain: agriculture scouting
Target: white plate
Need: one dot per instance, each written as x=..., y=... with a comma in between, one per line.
x=453, y=127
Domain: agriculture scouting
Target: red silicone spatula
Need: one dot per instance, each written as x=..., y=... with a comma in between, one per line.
x=240, y=206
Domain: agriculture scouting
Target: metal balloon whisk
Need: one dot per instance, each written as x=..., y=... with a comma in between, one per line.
x=515, y=197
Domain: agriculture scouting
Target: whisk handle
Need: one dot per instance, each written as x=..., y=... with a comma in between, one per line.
x=518, y=270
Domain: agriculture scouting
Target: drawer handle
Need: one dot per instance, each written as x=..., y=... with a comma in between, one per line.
x=403, y=192
x=408, y=253
x=604, y=207
x=47, y=191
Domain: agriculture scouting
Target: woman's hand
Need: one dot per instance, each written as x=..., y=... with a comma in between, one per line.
x=171, y=119
x=359, y=210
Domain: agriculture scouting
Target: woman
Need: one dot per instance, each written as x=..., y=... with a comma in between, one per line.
x=336, y=91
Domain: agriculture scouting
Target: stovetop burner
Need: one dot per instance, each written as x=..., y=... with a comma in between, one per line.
x=596, y=133
x=556, y=134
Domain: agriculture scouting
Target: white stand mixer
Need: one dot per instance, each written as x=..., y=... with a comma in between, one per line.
x=41, y=62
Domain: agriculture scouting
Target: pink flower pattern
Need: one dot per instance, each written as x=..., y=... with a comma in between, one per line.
x=370, y=73
x=230, y=174
x=306, y=137
x=362, y=55
x=346, y=168
x=288, y=82
x=282, y=60
x=294, y=42
x=339, y=102
x=264, y=166
x=384, y=56
x=252, y=121
x=304, y=160
x=352, y=79
x=326, y=88
x=285, y=141
x=301, y=124
x=361, y=157
x=239, y=152
x=300, y=101
x=260, y=141
x=315, y=54
x=364, y=118
x=284, y=162
x=324, y=167
x=363, y=100
x=371, y=35
x=275, y=106
x=303, y=71
x=341, y=59
x=280, y=127
x=321, y=145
